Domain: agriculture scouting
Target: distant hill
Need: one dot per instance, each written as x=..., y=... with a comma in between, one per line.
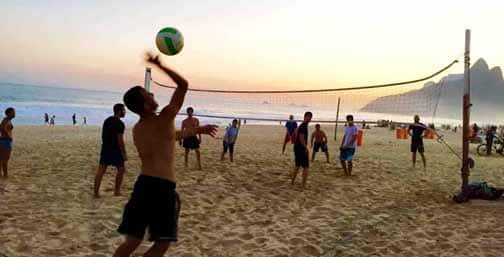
x=487, y=97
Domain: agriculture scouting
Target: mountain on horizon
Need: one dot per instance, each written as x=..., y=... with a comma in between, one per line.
x=487, y=97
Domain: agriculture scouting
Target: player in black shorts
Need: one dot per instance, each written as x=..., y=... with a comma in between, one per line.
x=146, y=210
x=193, y=140
x=113, y=152
x=320, y=139
x=301, y=152
x=154, y=204
x=416, y=131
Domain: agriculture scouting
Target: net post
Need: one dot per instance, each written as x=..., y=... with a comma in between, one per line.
x=466, y=110
x=147, y=81
x=336, y=123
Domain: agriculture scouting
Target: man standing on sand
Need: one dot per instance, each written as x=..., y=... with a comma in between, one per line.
x=154, y=204
x=301, y=152
x=191, y=140
x=46, y=118
x=416, y=131
x=113, y=151
x=290, y=127
x=320, y=142
x=489, y=138
x=74, y=119
x=348, y=145
x=229, y=139
x=6, y=128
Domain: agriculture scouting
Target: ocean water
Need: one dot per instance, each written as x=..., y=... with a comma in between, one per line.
x=32, y=102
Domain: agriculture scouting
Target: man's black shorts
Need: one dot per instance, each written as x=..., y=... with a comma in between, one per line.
x=191, y=142
x=154, y=204
x=111, y=157
x=301, y=157
x=227, y=146
x=417, y=146
x=320, y=146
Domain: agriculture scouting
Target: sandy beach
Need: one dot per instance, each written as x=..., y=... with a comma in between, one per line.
x=249, y=208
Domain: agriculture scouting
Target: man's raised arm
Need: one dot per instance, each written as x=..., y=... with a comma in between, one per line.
x=178, y=96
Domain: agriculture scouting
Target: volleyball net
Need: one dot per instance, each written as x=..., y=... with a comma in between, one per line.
x=396, y=101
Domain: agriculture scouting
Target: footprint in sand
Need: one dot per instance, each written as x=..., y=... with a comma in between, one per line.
x=230, y=242
x=311, y=250
x=246, y=236
x=297, y=241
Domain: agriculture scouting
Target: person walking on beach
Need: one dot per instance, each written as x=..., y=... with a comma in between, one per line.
x=154, y=203
x=6, y=138
x=416, y=131
x=46, y=118
x=229, y=139
x=301, y=152
x=113, y=150
x=290, y=127
x=320, y=142
x=84, y=120
x=74, y=119
x=51, y=123
x=348, y=145
x=192, y=140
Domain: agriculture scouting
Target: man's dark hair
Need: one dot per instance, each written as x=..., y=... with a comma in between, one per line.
x=235, y=120
x=134, y=100
x=9, y=110
x=118, y=108
x=317, y=125
x=308, y=113
x=189, y=109
x=349, y=117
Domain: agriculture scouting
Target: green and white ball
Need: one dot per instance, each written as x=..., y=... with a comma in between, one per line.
x=169, y=41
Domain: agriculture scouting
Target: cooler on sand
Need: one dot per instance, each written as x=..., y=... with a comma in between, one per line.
x=359, y=137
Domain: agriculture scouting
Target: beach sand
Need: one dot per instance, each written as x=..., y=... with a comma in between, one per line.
x=249, y=208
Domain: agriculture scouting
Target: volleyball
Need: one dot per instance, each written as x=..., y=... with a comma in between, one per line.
x=169, y=41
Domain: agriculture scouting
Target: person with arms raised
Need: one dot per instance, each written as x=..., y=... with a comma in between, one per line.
x=154, y=204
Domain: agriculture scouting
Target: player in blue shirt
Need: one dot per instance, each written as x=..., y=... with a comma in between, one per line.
x=230, y=139
x=291, y=127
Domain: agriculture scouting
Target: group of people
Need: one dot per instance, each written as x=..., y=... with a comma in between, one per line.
x=154, y=136
x=299, y=137
x=488, y=134
x=113, y=151
x=49, y=121
x=52, y=121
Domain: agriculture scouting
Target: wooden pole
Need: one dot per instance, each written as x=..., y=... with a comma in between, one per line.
x=147, y=81
x=336, y=123
x=466, y=110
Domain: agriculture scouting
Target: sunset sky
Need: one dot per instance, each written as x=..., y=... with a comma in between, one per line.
x=244, y=44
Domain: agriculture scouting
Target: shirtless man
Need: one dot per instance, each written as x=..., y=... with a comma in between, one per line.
x=154, y=203
x=320, y=142
x=6, y=140
x=191, y=140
